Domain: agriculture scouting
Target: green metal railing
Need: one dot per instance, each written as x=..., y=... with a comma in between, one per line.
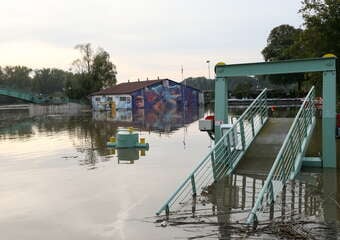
x=31, y=97
x=224, y=156
x=289, y=159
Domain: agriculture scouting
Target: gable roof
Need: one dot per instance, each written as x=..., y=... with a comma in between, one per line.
x=127, y=87
x=130, y=87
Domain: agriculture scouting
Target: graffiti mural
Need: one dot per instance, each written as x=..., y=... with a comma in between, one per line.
x=165, y=95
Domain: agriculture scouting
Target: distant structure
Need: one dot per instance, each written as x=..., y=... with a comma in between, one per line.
x=157, y=94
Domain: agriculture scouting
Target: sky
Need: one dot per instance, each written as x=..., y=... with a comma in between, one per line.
x=145, y=39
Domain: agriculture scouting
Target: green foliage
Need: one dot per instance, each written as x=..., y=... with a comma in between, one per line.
x=279, y=44
x=49, y=81
x=279, y=41
x=94, y=71
x=237, y=86
x=322, y=28
x=17, y=77
x=320, y=35
x=200, y=83
x=242, y=89
x=103, y=70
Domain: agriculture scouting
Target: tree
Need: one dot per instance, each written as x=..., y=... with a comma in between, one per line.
x=322, y=27
x=49, y=81
x=84, y=64
x=321, y=34
x=280, y=39
x=201, y=83
x=103, y=70
x=1, y=76
x=243, y=89
x=94, y=71
x=279, y=43
x=17, y=77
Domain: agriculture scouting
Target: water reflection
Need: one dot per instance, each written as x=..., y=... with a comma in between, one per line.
x=309, y=204
x=167, y=120
x=88, y=131
x=128, y=155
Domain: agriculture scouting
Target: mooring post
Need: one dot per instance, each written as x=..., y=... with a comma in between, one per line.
x=328, y=119
x=221, y=101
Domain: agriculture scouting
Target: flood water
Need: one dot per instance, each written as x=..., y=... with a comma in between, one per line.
x=59, y=181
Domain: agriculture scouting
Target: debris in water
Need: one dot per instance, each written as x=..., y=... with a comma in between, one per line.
x=164, y=223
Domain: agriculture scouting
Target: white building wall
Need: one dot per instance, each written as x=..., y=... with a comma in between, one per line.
x=104, y=102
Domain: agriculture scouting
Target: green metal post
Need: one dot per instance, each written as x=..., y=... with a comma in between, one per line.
x=252, y=126
x=271, y=192
x=213, y=164
x=193, y=185
x=243, y=140
x=221, y=105
x=167, y=211
x=328, y=119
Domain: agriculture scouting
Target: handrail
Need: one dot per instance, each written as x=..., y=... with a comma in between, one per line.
x=224, y=156
x=285, y=157
x=31, y=96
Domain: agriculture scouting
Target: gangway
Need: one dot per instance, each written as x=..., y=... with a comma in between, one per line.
x=261, y=154
x=284, y=160
x=224, y=156
x=288, y=162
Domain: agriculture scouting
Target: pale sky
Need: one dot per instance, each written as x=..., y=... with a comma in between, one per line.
x=146, y=38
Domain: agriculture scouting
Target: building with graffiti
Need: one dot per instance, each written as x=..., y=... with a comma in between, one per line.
x=157, y=95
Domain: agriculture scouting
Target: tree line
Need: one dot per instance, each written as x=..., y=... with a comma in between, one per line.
x=89, y=73
x=319, y=35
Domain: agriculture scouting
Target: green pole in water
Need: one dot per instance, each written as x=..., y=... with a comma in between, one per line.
x=329, y=119
x=221, y=102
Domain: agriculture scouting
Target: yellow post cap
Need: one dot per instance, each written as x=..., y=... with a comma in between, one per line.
x=329, y=55
x=219, y=64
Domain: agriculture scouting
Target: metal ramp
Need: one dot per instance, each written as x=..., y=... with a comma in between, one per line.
x=223, y=157
x=288, y=162
x=277, y=152
x=261, y=154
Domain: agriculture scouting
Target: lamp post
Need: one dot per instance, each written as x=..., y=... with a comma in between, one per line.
x=208, y=62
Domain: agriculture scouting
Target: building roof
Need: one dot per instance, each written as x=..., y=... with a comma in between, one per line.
x=127, y=87
x=130, y=87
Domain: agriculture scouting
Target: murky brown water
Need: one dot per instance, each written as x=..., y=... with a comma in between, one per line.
x=59, y=181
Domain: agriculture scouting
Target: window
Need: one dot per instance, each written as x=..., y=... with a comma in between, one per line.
x=128, y=99
x=97, y=99
x=109, y=99
x=122, y=99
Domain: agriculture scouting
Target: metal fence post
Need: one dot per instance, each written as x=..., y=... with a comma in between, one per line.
x=252, y=126
x=213, y=164
x=243, y=141
x=193, y=185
